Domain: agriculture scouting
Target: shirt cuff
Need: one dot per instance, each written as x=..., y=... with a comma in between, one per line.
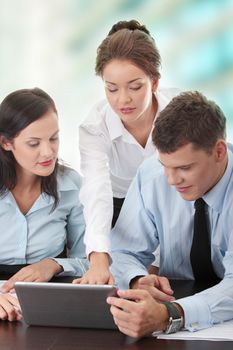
x=197, y=313
x=125, y=267
x=72, y=267
x=99, y=244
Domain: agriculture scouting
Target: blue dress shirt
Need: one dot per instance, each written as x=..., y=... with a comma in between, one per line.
x=155, y=214
x=43, y=233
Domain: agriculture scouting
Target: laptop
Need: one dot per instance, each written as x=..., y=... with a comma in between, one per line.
x=66, y=304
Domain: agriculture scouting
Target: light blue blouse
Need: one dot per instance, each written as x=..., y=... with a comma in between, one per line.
x=43, y=233
x=155, y=214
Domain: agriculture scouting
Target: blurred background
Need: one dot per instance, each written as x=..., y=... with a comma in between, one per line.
x=52, y=44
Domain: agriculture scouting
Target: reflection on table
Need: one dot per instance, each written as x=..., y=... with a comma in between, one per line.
x=17, y=335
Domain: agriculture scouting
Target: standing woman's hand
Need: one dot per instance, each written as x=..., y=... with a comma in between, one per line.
x=42, y=271
x=98, y=272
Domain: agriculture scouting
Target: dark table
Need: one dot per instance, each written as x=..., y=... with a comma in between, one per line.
x=17, y=335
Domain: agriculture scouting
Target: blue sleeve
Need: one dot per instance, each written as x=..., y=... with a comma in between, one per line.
x=133, y=239
x=213, y=305
x=76, y=264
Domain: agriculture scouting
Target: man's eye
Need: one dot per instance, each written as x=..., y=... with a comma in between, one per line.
x=185, y=168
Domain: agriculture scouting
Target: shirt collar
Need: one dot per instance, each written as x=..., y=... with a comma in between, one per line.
x=215, y=197
x=114, y=124
x=7, y=197
x=64, y=182
x=162, y=100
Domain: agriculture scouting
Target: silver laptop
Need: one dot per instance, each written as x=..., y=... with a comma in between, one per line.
x=65, y=304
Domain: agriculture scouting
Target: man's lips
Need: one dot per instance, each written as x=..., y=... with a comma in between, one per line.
x=183, y=189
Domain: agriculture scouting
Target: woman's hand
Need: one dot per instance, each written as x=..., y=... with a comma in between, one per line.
x=9, y=308
x=96, y=275
x=42, y=271
x=98, y=272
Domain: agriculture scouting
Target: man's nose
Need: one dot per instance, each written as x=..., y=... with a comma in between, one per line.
x=173, y=177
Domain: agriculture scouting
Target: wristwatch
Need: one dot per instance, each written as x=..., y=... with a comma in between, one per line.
x=175, y=319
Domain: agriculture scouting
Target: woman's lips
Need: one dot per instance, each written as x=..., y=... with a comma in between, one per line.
x=127, y=110
x=46, y=163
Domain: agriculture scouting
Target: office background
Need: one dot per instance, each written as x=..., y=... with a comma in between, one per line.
x=52, y=44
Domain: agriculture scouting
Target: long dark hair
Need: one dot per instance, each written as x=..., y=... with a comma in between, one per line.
x=17, y=111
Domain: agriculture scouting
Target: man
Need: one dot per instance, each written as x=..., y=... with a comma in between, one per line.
x=194, y=163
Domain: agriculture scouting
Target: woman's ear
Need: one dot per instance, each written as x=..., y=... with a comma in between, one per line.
x=5, y=143
x=155, y=83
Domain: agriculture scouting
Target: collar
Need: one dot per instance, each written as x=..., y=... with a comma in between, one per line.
x=67, y=180
x=116, y=128
x=114, y=124
x=162, y=101
x=215, y=197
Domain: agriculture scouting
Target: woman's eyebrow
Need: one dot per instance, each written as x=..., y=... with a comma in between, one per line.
x=39, y=138
x=128, y=82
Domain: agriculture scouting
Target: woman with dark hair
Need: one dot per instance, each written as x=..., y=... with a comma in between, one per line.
x=116, y=136
x=40, y=213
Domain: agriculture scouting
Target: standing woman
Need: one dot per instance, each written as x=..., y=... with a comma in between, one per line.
x=41, y=217
x=116, y=136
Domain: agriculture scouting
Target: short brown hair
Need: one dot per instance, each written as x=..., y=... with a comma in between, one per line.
x=189, y=118
x=129, y=40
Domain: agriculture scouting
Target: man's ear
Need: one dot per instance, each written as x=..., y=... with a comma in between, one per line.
x=5, y=143
x=220, y=150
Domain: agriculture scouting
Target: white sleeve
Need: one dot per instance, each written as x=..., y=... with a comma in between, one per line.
x=156, y=254
x=96, y=192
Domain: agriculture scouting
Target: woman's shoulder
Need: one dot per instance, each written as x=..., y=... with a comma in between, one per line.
x=68, y=178
x=97, y=115
x=168, y=92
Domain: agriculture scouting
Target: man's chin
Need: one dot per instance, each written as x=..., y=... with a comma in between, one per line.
x=187, y=197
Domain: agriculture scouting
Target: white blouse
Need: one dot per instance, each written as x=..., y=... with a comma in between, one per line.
x=110, y=157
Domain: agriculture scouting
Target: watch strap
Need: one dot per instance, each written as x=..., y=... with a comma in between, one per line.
x=175, y=319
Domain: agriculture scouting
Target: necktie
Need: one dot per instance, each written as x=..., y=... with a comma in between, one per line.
x=200, y=254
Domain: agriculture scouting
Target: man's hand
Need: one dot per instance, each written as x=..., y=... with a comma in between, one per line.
x=9, y=308
x=98, y=272
x=159, y=287
x=42, y=271
x=139, y=316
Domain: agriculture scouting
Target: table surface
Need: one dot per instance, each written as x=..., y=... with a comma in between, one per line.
x=17, y=335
